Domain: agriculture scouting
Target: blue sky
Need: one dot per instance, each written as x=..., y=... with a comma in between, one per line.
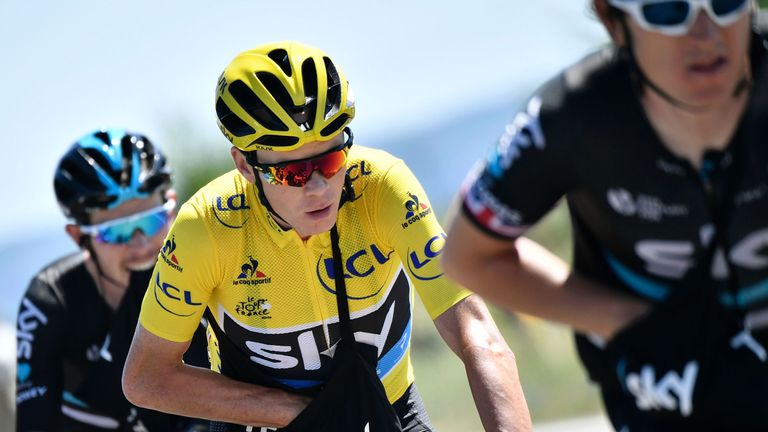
x=70, y=67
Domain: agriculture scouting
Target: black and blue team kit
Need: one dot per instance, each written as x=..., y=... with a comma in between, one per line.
x=71, y=348
x=694, y=242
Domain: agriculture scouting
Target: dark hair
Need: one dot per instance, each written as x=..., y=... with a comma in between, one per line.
x=612, y=18
x=612, y=13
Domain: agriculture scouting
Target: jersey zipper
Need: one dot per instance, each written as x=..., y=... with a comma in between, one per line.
x=716, y=195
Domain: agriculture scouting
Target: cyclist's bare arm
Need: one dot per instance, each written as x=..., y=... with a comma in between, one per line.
x=155, y=378
x=521, y=275
x=469, y=330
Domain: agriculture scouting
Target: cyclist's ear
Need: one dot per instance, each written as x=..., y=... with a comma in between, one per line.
x=73, y=231
x=242, y=164
x=171, y=194
x=612, y=20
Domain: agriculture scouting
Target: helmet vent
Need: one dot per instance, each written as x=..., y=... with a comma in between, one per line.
x=73, y=170
x=335, y=125
x=277, y=140
x=234, y=124
x=309, y=76
x=103, y=136
x=155, y=180
x=255, y=107
x=333, y=99
x=276, y=88
x=99, y=161
x=280, y=57
x=127, y=151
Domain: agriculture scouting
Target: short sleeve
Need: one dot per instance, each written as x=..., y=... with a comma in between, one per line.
x=183, y=279
x=523, y=176
x=407, y=222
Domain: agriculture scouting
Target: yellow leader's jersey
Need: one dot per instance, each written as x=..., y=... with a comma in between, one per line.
x=273, y=294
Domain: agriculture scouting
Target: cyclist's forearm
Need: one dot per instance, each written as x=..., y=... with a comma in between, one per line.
x=470, y=332
x=530, y=279
x=196, y=392
x=495, y=384
x=203, y=393
x=546, y=288
x=154, y=377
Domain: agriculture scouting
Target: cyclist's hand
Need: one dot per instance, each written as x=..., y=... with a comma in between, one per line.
x=664, y=358
x=632, y=315
x=295, y=406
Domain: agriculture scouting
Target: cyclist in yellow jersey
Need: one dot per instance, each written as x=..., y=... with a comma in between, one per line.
x=252, y=252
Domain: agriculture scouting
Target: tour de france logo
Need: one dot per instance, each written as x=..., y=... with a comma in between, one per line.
x=253, y=307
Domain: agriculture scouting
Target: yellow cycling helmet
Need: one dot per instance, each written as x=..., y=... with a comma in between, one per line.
x=281, y=96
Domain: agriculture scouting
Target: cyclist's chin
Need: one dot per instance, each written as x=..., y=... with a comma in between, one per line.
x=712, y=96
x=312, y=226
x=141, y=265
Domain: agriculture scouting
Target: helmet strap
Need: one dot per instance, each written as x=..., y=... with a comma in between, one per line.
x=348, y=192
x=264, y=201
x=87, y=243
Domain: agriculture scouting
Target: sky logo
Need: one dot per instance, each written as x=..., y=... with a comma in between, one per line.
x=30, y=317
x=672, y=392
x=522, y=133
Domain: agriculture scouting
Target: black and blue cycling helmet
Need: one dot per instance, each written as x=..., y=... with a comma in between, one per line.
x=106, y=168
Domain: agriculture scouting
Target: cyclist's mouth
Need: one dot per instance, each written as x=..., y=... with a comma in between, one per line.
x=320, y=213
x=708, y=67
x=141, y=265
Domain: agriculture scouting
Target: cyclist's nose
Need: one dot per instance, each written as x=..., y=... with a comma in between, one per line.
x=316, y=184
x=138, y=239
x=703, y=27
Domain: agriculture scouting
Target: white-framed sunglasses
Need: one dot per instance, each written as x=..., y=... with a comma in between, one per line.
x=121, y=230
x=676, y=17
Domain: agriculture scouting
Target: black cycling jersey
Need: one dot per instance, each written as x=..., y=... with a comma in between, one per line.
x=71, y=351
x=692, y=241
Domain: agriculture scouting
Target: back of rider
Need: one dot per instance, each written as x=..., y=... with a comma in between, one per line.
x=644, y=223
